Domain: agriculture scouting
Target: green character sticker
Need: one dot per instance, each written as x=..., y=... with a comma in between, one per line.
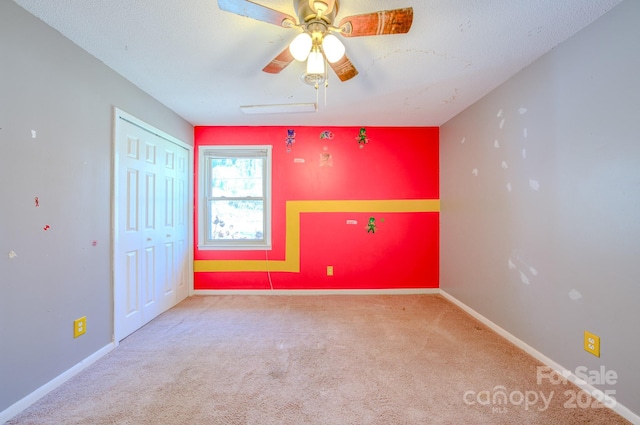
x=362, y=137
x=371, y=227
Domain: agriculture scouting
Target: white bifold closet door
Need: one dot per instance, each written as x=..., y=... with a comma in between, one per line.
x=151, y=225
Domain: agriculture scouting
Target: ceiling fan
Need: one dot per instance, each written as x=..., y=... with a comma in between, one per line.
x=317, y=41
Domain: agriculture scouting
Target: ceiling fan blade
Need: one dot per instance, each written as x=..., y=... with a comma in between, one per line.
x=344, y=69
x=256, y=11
x=397, y=21
x=280, y=62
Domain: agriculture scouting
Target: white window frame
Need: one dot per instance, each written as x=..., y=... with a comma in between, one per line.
x=232, y=151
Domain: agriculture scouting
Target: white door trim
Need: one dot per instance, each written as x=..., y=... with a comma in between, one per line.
x=118, y=117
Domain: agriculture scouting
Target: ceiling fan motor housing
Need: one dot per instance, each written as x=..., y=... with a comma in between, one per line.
x=310, y=11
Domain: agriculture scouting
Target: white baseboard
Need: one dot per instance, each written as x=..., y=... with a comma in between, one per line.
x=407, y=291
x=27, y=401
x=570, y=376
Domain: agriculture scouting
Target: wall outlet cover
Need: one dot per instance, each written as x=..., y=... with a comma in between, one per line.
x=592, y=343
x=79, y=326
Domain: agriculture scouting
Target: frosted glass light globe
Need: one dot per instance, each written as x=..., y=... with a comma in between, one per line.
x=300, y=46
x=333, y=48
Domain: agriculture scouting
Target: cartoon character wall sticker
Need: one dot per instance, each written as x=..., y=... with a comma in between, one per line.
x=326, y=135
x=362, y=138
x=291, y=139
x=371, y=226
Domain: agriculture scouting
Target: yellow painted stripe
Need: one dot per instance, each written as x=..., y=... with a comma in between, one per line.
x=291, y=263
x=375, y=206
x=241, y=266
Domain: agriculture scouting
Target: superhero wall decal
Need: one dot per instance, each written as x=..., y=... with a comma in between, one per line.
x=291, y=139
x=326, y=135
x=362, y=137
x=371, y=226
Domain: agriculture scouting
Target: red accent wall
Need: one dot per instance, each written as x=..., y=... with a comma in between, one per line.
x=397, y=163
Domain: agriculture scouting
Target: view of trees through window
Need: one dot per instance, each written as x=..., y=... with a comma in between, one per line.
x=236, y=201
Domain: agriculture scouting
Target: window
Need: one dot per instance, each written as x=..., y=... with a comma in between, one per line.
x=235, y=197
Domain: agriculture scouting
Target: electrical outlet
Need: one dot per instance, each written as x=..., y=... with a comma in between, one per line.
x=592, y=343
x=79, y=326
x=329, y=270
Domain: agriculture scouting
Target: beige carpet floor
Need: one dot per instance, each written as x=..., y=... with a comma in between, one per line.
x=334, y=359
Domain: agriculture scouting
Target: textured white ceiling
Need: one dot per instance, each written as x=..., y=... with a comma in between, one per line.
x=204, y=63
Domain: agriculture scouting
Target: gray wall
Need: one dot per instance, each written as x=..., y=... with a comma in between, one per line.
x=50, y=85
x=545, y=239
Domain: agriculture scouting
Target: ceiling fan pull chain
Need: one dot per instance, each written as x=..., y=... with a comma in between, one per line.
x=326, y=80
x=325, y=93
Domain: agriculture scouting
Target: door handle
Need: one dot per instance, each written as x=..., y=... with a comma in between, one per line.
x=148, y=239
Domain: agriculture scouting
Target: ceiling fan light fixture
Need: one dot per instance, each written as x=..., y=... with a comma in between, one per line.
x=315, y=63
x=333, y=48
x=301, y=46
